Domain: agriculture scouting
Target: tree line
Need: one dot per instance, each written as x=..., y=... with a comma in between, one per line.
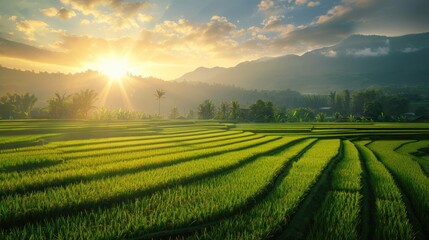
x=363, y=105
x=61, y=106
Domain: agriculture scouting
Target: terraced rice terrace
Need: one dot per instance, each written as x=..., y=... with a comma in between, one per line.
x=210, y=180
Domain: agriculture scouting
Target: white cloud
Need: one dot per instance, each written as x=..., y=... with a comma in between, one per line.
x=12, y=18
x=368, y=52
x=117, y=14
x=409, y=50
x=329, y=53
x=30, y=27
x=271, y=7
x=62, y=13
x=313, y=4
x=50, y=12
x=85, y=22
x=144, y=18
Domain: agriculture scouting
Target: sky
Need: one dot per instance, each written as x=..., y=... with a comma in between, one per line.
x=167, y=38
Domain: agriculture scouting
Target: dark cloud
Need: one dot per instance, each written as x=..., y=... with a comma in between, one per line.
x=22, y=51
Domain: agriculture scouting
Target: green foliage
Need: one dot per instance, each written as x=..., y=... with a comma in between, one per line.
x=206, y=109
x=262, y=111
x=320, y=117
x=264, y=219
x=302, y=115
x=159, y=94
x=391, y=221
x=17, y=105
x=194, y=179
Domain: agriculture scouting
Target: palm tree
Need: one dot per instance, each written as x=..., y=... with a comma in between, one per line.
x=159, y=94
x=235, y=110
x=22, y=104
x=58, y=105
x=83, y=102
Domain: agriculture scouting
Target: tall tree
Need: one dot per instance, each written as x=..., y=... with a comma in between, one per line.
x=159, y=94
x=18, y=105
x=234, y=112
x=174, y=113
x=223, y=111
x=83, y=102
x=347, y=101
x=59, y=105
x=262, y=111
x=206, y=109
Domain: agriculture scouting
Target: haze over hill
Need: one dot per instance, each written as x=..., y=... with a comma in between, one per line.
x=355, y=63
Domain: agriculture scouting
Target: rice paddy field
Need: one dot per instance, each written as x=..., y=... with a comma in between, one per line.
x=211, y=180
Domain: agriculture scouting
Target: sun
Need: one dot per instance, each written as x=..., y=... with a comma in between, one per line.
x=115, y=68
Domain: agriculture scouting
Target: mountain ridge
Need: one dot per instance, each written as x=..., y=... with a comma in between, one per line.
x=357, y=62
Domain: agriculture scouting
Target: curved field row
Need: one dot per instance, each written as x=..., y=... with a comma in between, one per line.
x=29, y=157
x=139, y=147
x=414, y=150
x=409, y=175
x=267, y=217
x=98, y=168
x=199, y=202
x=340, y=214
x=206, y=180
x=88, y=146
x=389, y=210
x=55, y=201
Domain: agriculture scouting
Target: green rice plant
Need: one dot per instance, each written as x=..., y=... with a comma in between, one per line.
x=14, y=160
x=347, y=173
x=107, y=149
x=409, y=175
x=57, y=201
x=19, y=139
x=148, y=140
x=339, y=216
x=271, y=214
x=106, y=140
x=411, y=149
x=200, y=201
x=153, y=150
x=76, y=171
x=390, y=223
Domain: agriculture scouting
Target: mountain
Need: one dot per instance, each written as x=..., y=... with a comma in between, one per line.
x=357, y=62
x=202, y=74
x=135, y=92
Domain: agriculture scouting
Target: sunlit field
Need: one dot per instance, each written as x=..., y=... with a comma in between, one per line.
x=211, y=180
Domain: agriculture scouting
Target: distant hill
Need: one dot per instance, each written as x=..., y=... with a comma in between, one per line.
x=357, y=62
x=138, y=93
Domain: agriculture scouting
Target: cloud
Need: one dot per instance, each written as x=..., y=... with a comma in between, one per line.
x=409, y=50
x=275, y=23
x=144, y=18
x=313, y=4
x=334, y=13
x=271, y=7
x=30, y=27
x=119, y=15
x=85, y=22
x=12, y=18
x=300, y=2
x=17, y=50
x=50, y=12
x=369, y=52
x=62, y=13
x=93, y=7
x=329, y=53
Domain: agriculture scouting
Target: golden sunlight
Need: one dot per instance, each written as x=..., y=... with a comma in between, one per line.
x=115, y=68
